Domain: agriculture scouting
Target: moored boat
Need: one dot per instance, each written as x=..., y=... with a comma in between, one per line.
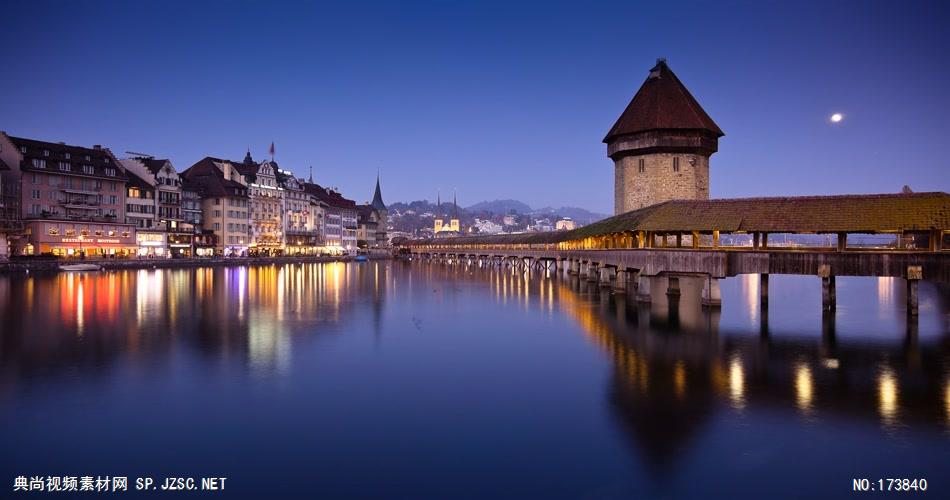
x=80, y=267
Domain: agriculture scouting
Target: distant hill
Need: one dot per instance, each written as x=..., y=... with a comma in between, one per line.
x=500, y=207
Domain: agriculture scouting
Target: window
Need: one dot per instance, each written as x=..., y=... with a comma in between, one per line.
x=642, y=165
x=53, y=231
x=106, y=160
x=35, y=179
x=23, y=149
x=88, y=169
x=36, y=194
x=112, y=200
x=216, y=226
x=39, y=163
x=110, y=172
x=676, y=164
x=113, y=186
x=88, y=158
x=52, y=196
x=98, y=232
x=63, y=166
x=68, y=156
x=45, y=152
x=36, y=209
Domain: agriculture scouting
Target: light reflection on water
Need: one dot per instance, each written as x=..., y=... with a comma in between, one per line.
x=516, y=346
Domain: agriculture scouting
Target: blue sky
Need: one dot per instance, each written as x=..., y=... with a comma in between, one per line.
x=498, y=100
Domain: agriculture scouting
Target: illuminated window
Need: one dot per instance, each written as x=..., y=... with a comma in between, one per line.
x=70, y=232
x=98, y=232
x=54, y=231
x=84, y=232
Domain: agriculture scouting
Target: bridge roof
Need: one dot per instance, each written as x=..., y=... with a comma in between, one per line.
x=824, y=214
x=871, y=213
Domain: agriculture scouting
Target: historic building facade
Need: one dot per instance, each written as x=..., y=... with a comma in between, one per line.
x=661, y=144
x=72, y=198
x=225, y=204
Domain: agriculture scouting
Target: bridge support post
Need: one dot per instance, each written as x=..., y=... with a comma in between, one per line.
x=763, y=291
x=828, y=298
x=621, y=285
x=643, y=288
x=605, y=277
x=914, y=275
x=672, y=285
x=711, y=295
x=592, y=272
x=573, y=267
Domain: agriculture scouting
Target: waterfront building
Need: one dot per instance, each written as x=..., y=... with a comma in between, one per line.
x=440, y=228
x=224, y=203
x=301, y=227
x=510, y=220
x=265, y=206
x=194, y=239
x=339, y=221
x=72, y=198
x=164, y=227
x=661, y=145
x=140, y=208
x=565, y=224
x=9, y=213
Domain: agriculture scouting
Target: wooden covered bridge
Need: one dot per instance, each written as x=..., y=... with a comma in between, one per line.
x=897, y=235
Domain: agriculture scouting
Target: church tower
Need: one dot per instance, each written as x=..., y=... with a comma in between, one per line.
x=661, y=145
x=438, y=214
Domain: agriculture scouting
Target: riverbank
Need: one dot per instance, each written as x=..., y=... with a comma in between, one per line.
x=31, y=265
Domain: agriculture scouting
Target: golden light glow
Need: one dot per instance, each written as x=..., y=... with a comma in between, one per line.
x=804, y=388
x=736, y=383
x=946, y=401
x=887, y=396
x=837, y=117
x=679, y=379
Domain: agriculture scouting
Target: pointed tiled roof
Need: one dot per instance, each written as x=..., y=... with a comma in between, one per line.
x=378, y=197
x=662, y=103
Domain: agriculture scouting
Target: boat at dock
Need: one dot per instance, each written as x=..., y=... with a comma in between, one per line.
x=80, y=267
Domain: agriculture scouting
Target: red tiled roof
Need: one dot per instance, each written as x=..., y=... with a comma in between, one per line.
x=662, y=103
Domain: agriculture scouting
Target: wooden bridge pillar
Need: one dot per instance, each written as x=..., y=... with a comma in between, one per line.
x=763, y=291
x=621, y=283
x=914, y=275
x=712, y=297
x=828, y=298
x=673, y=285
x=605, y=277
x=643, y=288
x=592, y=272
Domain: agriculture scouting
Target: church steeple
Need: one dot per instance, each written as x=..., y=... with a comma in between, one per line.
x=378, y=197
x=311, y=174
x=247, y=158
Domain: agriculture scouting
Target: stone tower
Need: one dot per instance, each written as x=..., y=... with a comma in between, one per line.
x=661, y=144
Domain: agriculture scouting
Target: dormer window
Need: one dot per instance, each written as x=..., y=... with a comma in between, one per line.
x=23, y=149
x=106, y=160
x=38, y=163
x=63, y=166
x=68, y=156
x=88, y=158
x=110, y=172
x=88, y=169
x=45, y=152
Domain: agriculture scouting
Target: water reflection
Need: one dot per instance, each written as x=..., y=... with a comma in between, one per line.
x=670, y=373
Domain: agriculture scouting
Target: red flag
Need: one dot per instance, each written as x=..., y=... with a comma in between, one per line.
x=272, y=150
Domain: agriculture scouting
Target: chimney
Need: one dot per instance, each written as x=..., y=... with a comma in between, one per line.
x=97, y=147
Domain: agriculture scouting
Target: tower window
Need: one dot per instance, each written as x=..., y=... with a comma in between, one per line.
x=641, y=166
x=676, y=164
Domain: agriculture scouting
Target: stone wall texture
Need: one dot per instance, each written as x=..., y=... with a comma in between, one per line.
x=659, y=182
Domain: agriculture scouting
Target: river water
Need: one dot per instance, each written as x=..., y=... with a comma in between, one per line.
x=415, y=380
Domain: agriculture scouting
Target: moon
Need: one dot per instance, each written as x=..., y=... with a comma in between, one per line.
x=837, y=117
